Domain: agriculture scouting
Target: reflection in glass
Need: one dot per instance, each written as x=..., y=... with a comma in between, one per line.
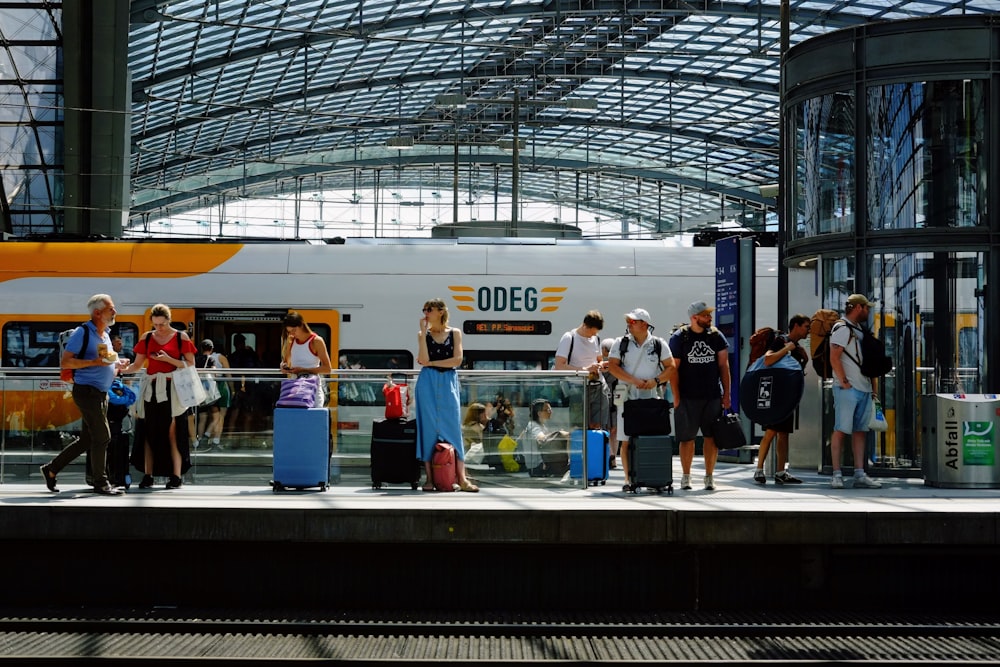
x=924, y=145
x=824, y=165
x=31, y=130
x=928, y=313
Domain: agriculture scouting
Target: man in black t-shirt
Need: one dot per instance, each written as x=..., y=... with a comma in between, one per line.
x=702, y=358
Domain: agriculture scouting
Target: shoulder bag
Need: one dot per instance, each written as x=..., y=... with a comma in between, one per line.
x=188, y=386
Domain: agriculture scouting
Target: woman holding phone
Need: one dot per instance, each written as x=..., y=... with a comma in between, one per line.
x=439, y=410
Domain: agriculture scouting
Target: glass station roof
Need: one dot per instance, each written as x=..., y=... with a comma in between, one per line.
x=660, y=114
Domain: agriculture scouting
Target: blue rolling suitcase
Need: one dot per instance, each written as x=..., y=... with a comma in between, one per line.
x=301, y=448
x=650, y=463
x=598, y=454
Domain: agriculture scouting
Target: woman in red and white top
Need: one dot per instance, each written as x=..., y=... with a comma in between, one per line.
x=303, y=352
x=162, y=351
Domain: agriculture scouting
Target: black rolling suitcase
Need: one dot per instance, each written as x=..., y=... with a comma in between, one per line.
x=650, y=463
x=394, y=453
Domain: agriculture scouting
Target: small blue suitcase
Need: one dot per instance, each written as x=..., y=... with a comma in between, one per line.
x=301, y=448
x=650, y=463
x=598, y=454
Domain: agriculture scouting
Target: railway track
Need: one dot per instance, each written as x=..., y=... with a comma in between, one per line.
x=184, y=637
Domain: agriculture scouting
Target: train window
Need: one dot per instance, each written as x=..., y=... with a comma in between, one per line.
x=36, y=344
x=520, y=392
x=366, y=392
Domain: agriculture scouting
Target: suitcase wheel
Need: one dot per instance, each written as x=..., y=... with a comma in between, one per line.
x=413, y=486
x=376, y=485
x=277, y=486
x=322, y=486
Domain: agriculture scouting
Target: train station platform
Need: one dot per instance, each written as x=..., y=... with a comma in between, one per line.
x=552, y=546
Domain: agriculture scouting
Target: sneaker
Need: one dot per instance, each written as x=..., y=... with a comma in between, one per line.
x=784, y=478
x=759, y=477
x=709, y=483
x=147, y=482
x=837, y=482
x=174, y=482
x=866, y=482
x=50, y=480
x=686, y=482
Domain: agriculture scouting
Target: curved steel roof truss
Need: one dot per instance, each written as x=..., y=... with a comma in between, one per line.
x=232, y=98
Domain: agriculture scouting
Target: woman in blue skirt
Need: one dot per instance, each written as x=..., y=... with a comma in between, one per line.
x=439, y=410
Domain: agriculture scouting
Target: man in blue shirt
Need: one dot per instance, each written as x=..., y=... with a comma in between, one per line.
x=94, y=368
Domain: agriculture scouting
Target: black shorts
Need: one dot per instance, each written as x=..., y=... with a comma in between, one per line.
x=694, y=414
x=786, y=425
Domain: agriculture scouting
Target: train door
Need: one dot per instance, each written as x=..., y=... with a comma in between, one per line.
x=251, y=339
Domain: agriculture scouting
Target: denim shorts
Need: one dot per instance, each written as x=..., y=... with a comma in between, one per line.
x=850, y=409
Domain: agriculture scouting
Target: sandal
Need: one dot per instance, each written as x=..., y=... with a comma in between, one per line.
x=470, y=487
x=428, y=487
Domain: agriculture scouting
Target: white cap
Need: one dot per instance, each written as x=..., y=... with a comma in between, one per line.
x=638, y=314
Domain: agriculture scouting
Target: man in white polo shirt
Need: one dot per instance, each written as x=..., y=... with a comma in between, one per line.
x=644, y=364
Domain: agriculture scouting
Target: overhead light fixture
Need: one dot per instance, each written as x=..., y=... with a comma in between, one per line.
x=508, y=144
x=453, y=101
x=399, y=142
x=770, y=190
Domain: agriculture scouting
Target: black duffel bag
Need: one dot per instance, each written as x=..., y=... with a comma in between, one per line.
x=646, y=416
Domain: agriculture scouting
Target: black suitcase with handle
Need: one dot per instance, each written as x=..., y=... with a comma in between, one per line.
x=394, y=453
x=650, y=463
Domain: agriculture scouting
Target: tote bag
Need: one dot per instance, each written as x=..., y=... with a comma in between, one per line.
x=877, y=420
x=188, y=387
x=299, y=392
x=211, y=388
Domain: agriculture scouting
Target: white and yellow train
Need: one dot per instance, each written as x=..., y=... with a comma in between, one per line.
x=512, y=299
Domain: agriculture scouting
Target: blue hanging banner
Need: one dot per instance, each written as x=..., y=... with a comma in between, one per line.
x=727, y=306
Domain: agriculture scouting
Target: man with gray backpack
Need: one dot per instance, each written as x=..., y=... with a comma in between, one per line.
x=91, y=363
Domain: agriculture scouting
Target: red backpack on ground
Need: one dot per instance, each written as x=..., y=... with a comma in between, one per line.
x=443, y=472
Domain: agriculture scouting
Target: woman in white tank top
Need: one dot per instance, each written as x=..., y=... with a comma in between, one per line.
x=303, y=352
